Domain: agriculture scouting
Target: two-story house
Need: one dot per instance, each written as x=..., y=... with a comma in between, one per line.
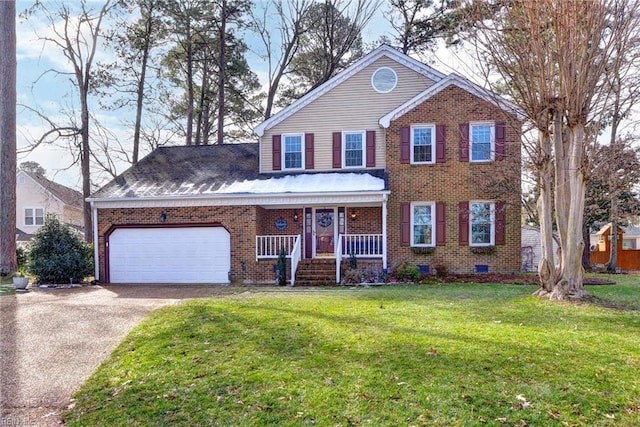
x=389, y=161
x=37, y=196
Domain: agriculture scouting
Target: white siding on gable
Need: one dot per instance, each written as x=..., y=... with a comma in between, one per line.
x=352, y=105
x=31, y=195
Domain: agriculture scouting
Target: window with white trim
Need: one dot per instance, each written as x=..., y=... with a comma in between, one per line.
x=384, y=80
x=22, y=180
x=482, y=228
x=423, y=224
x=423, y=147
x=482, y=139
x=353, y=149
x=292, y=151
x=33, y=216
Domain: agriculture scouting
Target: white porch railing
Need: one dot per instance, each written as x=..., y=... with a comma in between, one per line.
x=362, y=245
x=359, y=245
x=296, y=255
x=269, y=247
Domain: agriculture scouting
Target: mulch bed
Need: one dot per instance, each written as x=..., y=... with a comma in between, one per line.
x=513, y=279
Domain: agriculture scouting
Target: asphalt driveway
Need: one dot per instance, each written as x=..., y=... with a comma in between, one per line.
x=52, y=340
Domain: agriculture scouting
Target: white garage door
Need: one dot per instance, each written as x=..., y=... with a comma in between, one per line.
x=169, y=255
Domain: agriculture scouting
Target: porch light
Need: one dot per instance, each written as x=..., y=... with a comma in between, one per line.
x=295, y=216
x=353, y=215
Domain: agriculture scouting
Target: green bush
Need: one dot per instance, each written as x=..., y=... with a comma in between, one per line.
x=21, y=259
x=58, y=255
x=406, y=272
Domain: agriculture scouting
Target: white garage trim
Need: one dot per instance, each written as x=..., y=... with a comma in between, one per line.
x=174, y=254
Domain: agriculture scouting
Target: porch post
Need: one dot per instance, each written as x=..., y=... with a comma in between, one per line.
x=384, y=231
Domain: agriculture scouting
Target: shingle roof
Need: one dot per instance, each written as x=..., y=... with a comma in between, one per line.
x=67, y=195
x=189, y=169
x=225, y=169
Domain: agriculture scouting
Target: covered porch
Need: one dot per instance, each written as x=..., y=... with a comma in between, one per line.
x=327, y=229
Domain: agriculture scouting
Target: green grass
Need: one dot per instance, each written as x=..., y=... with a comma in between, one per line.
x=442, y=355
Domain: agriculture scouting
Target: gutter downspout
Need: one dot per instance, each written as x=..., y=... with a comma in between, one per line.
x=96, y=244
x=384, y=232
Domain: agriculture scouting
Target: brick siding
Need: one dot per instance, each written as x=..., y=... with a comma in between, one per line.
x=453, y=182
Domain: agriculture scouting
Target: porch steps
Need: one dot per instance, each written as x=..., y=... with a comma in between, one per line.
x=316, y=272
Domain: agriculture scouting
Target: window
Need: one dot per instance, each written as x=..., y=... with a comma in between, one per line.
x=422, y=224
x=293, y=151
x=482, y=223
x=33, y=216
x=422, y=144
x=22, y=180
x=353, y=146
x=482, y=141
x=384, y=80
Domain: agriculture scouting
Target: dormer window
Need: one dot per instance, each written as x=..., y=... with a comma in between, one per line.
x=384, y=80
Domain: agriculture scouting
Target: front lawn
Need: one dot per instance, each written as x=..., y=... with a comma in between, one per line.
x=404, y=355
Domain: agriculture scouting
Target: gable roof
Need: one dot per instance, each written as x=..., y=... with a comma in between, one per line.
x=66, y=195
x=382, y=51
x=451, y=80
x=222, y=171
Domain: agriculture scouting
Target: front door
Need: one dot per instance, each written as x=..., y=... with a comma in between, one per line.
x=325, y=231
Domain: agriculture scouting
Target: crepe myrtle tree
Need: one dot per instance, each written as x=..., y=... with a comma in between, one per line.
x=555, y=56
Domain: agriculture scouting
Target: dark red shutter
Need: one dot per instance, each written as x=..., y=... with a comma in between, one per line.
x=500, y=217
x=405, y=224
x=463, y=223
x=405, y=144
x=277, y=152
x=337, y=149
x=463, y=145
x=308, y=151
x=441, y=153
x=501, y=133
x=441, y=224
x=371, y=148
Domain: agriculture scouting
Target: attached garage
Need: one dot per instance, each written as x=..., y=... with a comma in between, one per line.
x=169, y=255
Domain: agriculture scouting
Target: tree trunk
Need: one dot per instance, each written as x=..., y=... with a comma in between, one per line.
x=613, y=255
x=141, y=85
x=189, y=51
x=586, y=251
x=571, y=284
x=8, y=66
x=221, y=72
x=546, y=268
x=85, y=157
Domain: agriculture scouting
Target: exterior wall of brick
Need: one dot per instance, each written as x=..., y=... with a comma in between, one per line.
x=454, y=181
x=240, y=221
x=368, y=220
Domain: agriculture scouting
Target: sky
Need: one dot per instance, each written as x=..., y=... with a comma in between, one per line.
x=40, y=87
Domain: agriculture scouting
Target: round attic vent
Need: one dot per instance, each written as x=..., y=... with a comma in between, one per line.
x=384, y=80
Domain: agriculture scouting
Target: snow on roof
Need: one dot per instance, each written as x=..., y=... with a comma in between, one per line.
x=306, y=183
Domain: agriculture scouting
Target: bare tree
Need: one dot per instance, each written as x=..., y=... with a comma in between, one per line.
x=281, y=48
x=418, y=23
x=8, y=158
x=76, y=35
x=332, y=41
x=555, y=55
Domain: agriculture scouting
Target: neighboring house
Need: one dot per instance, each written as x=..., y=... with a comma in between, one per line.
x=532, y=248
x=382, y=162
x=628, y=247
x=37, y=196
